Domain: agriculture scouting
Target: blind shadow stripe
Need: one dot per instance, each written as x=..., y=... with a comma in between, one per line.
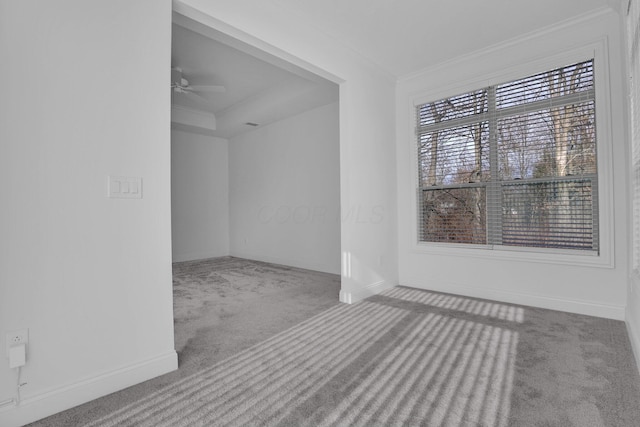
x=294, y=348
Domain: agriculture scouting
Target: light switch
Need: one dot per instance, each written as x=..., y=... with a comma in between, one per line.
x=124, y=187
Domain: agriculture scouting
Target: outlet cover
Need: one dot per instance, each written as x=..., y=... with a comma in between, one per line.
x=20, y=336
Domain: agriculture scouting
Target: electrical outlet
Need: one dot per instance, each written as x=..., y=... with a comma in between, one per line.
x=16, y=337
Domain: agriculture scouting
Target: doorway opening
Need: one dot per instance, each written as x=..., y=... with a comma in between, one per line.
x=255, y=192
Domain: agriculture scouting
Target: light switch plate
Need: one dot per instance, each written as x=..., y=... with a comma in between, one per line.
x=124, y=187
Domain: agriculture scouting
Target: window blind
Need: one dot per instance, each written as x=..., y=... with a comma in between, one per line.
x=512, y=164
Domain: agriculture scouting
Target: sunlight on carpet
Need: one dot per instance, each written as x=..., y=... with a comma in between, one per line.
x=456, y=303
x=382, y=361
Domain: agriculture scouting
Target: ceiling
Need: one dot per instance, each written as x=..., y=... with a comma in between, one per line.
x=258, y=90
x=400, y=36
x=404, y=36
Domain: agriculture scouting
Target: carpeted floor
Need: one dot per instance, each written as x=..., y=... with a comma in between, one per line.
x=405, y=357
x=221, y=307
x=224, y=305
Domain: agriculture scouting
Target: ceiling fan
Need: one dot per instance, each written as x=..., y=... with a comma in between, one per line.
x=179, y=84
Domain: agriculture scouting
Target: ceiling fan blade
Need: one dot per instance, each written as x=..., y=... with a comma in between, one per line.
x=192, y=95
x=208, y=88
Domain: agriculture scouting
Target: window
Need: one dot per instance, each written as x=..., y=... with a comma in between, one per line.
x=512, y=164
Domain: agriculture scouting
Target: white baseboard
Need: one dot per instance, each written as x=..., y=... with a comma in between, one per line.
x=33, y=408
x=589, y=308
x=633, y=318
x=354, y=295
x=191, y=256
x=634, y=337
x=307, y=265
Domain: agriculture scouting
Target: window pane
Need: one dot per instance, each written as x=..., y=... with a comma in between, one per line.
x=549, y=214
x=455, y=107
x=520, y=155
x=572, y=79
x=454, y=155
x=555, y=142
x=454, y=215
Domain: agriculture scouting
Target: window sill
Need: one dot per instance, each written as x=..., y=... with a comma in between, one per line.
x=546, y=256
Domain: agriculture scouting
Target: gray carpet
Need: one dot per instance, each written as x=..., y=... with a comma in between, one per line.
x=224, y=305
x=221, y=307
x=405, y=357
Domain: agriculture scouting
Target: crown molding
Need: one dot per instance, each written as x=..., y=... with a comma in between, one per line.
x=453, y=62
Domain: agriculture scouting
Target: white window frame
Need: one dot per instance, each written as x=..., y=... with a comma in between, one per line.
x=604, y=145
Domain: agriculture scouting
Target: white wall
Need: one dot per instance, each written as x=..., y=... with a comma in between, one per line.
x=367, y=129
x=631, y=29
x=199, y=196
x=88, y=275
x=633, y=317
x=597, y=290
x=285, y=191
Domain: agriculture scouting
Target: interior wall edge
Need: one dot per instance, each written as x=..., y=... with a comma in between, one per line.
x=634, y=337
x=358, y=294
x=633, y=317
x=242, y=40
x=42, y=405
